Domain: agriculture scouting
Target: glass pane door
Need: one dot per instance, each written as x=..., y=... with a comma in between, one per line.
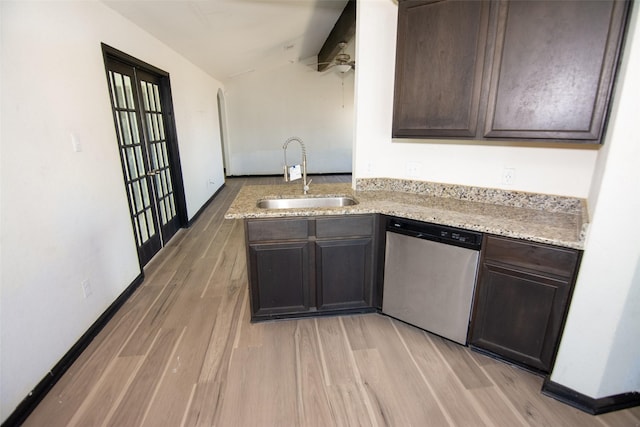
x=156, y=142
x=142, y=140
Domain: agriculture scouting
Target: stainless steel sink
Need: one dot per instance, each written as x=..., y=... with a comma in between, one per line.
x=307, y=202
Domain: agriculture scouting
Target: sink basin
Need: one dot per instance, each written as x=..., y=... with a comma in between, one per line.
x=307, y=202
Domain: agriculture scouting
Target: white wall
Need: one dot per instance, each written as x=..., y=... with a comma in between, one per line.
x=266, y=107
x=563, y=171
x=196, y=111
x=599, y=354
x=602, y=334
x=63, y=214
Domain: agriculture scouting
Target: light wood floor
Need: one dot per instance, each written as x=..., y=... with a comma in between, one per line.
x=182, y=351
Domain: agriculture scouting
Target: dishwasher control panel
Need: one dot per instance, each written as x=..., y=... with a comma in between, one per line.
x=439, y=233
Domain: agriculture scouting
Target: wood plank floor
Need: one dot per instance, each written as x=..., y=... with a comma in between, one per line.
x=182, y=352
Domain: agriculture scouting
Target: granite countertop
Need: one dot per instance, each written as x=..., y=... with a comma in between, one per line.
x=540, y=218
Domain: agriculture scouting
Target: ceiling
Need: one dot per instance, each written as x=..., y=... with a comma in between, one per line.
x=229, y=38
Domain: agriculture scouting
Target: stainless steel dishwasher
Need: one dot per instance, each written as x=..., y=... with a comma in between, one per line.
x=429, y=276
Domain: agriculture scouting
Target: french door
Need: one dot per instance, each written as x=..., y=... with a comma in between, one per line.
x=147, y=155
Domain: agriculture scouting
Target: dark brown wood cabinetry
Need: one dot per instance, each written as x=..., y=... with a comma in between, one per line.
x=522, y=297
x=553, y=68
x=440, y=57
x=278, y=254
x=530, y=70
x=303, y=266
x=344, y=262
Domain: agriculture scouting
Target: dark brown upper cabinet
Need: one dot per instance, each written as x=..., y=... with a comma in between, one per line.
x=553, y=69
x=517, y=70
x=439, y=66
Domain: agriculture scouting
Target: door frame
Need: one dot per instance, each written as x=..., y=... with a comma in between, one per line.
x=110, y=53
x=222, y=121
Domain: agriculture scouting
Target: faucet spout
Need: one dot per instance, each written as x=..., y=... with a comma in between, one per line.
x=305, y=183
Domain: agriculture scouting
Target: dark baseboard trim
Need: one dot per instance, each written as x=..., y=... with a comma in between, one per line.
x=589, y=404
x=268, y=175
x=515, y=364
x=204, y=206
x=29, y=403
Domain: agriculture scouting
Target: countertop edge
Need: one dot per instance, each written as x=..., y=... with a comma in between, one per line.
x=370, y=202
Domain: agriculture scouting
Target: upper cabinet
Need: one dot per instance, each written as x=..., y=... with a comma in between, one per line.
x=553, y=68
x=529, y=70
x=440, y=57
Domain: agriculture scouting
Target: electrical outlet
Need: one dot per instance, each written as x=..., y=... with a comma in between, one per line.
x=508, y=176
x=86, y=288
x=413, y=169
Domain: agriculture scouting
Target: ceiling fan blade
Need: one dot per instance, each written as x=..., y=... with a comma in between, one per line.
x=318, y=63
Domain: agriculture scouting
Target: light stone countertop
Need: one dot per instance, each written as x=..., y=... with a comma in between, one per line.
x=547, y=223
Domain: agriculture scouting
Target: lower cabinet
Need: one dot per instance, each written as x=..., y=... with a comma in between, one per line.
x=280, y=274
x=332, y=264
x=304, y=266
x=522, y=297
x=344, y=273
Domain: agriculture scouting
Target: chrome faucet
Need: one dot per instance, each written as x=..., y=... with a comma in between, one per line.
x=305, y=184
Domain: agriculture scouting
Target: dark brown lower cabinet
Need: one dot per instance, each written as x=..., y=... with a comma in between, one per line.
x=344, y=269
x=280, y=277
x=521, y=300
x=316, y=265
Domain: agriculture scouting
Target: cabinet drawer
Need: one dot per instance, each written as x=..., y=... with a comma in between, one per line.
x=347, y=226
x=531, y=255
x=277, y=229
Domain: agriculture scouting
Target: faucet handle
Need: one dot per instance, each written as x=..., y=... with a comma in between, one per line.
x=305, y=187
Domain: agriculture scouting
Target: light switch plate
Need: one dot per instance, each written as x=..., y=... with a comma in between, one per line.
x=75, y=143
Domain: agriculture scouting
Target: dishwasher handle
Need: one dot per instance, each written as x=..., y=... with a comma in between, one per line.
x=438, y=233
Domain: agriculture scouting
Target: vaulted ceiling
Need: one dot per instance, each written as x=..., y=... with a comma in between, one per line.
x=228, y=38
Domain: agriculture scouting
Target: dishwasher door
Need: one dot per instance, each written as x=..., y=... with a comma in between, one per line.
x=429, y=285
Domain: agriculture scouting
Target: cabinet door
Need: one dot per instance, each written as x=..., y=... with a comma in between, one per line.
x=553, y=68
x=344, y=273
x=279, y=278
x=519, y=315
x=439, y=66
x=522, y=297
